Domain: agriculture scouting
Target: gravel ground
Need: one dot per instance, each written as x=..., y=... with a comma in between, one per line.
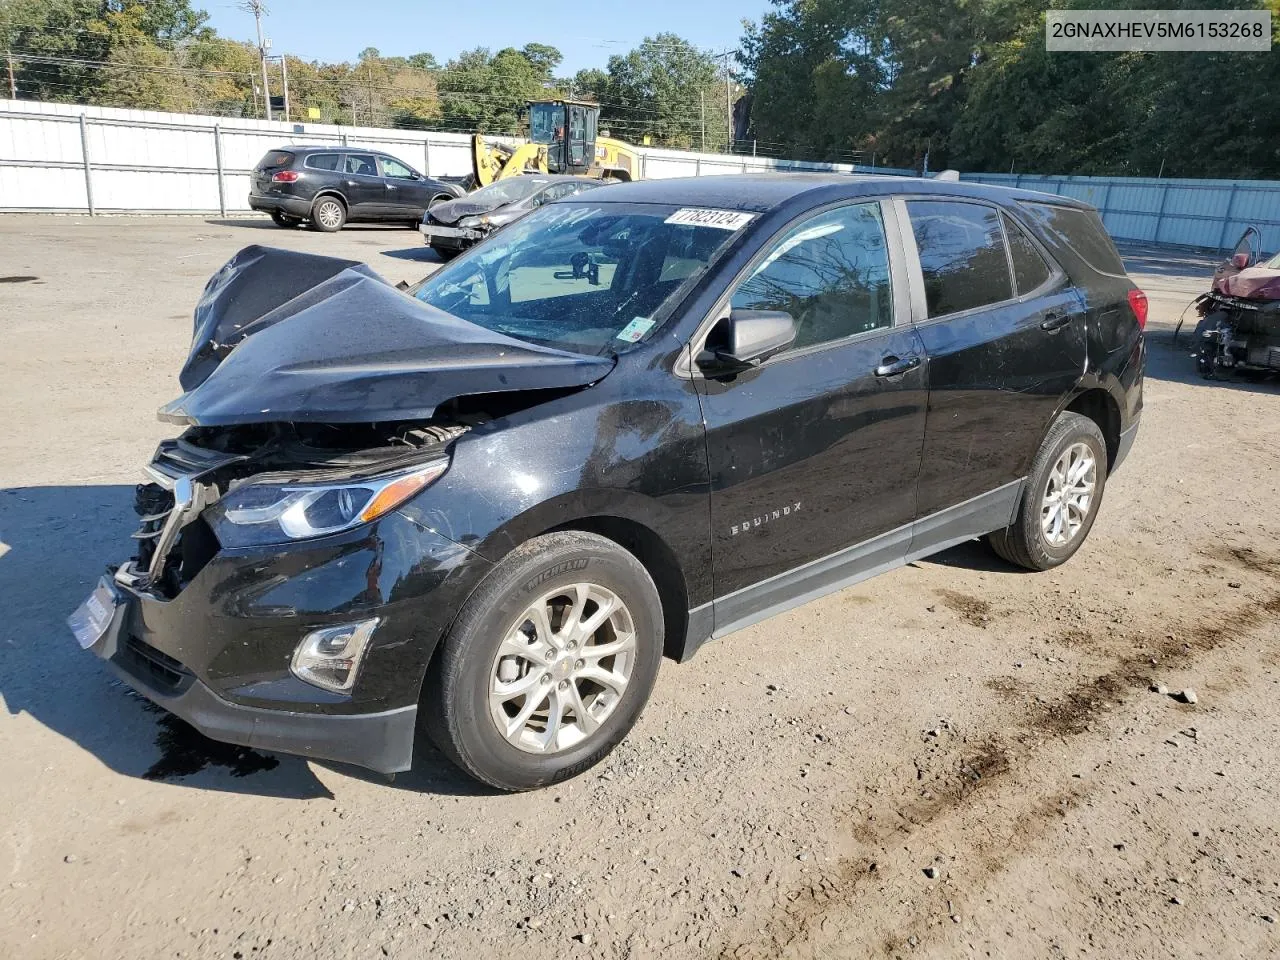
x=953, y=759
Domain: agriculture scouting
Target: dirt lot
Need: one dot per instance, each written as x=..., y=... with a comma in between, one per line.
x=954, y=759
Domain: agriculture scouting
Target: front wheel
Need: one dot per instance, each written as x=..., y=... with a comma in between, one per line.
x=549, y=663
x=445, y=253
x=1060, y=499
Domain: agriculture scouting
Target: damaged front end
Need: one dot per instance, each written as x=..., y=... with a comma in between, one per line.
x=259, y=485
x=276, y=595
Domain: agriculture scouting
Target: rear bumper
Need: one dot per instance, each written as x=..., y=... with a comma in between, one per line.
x=1126, y=443
x=294, y=206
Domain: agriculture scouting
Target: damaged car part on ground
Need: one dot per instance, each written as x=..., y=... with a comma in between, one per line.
x=1239, y=326
x=631, y=422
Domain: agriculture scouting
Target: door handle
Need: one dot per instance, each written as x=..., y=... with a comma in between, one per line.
x=352, y=183
x=1055, y=321
x=895, y=366
x=390, y=186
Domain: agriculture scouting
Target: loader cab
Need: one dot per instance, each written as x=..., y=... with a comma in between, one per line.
x=568, y=130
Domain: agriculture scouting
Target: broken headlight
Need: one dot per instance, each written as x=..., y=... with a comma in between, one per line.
x=269, y=512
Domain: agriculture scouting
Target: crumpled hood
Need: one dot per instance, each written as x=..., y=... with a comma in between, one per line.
x=451, y=211
x=1253, y=283
x=283, y=336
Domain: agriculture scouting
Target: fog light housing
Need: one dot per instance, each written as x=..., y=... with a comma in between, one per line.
x=330, y=657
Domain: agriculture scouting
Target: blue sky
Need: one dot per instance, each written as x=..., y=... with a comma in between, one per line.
x=587, y=34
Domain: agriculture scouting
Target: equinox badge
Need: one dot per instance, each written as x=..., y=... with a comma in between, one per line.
x=763, y=519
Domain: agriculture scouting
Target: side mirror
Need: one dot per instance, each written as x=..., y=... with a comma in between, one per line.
x=746, y=338
x=1240, y=261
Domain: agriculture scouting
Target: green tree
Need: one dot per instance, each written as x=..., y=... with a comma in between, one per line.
x=664, y=88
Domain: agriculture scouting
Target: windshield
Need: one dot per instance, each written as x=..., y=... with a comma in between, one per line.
x=586, y=278
x=1273, y=263
x=544, y=118
x=509, y=190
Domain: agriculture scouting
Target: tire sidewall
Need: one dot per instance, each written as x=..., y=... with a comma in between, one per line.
x=1078, y=430
x=315, y=219
x=479, y=634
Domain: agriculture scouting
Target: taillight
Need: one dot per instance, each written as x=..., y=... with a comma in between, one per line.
x=1138, y=302
x=285, y=176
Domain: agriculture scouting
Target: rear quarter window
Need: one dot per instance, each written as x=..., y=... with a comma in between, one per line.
x=275, y=158
x=1079, y=230
x=323, y=161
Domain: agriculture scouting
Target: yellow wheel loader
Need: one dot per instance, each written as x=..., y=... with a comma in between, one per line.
x=562, y=139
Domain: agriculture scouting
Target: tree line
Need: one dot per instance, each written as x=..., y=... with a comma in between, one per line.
x=968, y=84
x=162, y=55
x=947, y=83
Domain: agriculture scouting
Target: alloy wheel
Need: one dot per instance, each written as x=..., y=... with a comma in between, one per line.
x=1068, y=496
x=329, y=213
x=561, y=670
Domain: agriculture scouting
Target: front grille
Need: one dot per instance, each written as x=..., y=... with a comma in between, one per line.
x=153, y=504
x=153, y=666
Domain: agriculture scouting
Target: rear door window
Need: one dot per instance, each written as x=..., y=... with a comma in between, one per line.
x=361, y=164
x=962, y=255
x=1029, y=267
x=324, y=161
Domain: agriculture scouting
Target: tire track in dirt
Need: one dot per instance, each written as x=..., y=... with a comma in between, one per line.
x=976, y=768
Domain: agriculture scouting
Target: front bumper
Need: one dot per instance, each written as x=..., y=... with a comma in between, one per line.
x=451, y=238
x=380, y=741
x=294, y=206
x=217, y=654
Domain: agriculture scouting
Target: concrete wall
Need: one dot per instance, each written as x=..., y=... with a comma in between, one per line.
x=66, y=157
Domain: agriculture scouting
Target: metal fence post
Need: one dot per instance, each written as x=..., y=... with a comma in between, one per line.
x=217, y=160
x=426, y=156
x=1164, y=196
x=1103, y=207
x=1226, y=220
x=88, y=167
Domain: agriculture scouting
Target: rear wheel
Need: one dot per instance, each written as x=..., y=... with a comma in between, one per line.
x=549, y=663
x=1061, y=498
x=328, y=215
x=284, y=220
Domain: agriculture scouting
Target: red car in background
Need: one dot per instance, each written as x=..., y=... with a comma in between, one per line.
x=1239, y=328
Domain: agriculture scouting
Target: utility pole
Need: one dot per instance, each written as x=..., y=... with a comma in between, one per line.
x=728, y=98
x=284, y=78
x=728, y=103
x=13, y=86
x=702, y=97
x=258, y=8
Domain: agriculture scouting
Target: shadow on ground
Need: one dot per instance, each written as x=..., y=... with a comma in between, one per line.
x=54, y=544
x=266, y=223
x=422, y=254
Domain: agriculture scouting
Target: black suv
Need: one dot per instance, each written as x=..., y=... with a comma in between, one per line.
x=632, y=421
x=329, y=186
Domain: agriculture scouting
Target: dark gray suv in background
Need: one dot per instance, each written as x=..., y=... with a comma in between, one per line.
x=330, y=186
